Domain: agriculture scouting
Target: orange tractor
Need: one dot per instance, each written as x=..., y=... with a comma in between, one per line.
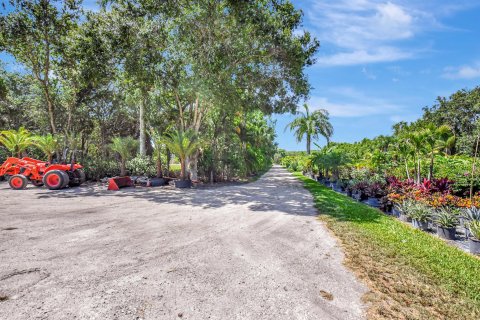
x=54, y=176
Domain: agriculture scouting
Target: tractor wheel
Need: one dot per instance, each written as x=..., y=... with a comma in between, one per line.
x=37, y=183
x=66, y=179
x=18, y=182
x=79, y=176
x=55, y=179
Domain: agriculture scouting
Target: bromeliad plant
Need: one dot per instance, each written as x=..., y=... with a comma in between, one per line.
x=419, y=211
x=474, y=228
x=446, y=217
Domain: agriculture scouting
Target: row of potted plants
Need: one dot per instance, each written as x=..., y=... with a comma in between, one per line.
x=444, y=219
x=428, y=205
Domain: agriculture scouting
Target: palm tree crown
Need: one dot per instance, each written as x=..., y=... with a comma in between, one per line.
x=312, y=125
x=16, y=141
x=183, y=144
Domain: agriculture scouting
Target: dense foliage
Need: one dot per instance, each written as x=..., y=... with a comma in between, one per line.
x=145, y=69
x=441, y=144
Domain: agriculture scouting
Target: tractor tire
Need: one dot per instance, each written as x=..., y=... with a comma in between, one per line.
x=37, y=183
x=55, y=179
x=66, y=180
x=79, y=176
x=18, y=182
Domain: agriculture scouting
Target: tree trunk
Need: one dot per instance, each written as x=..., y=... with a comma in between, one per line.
x=183, y=169
x=194, y=166
x=419, y=173
x=473, y=168
x=123, y=168
x=50, y=109
x=159, y=166
x=406, y=169
x=141, y=122
x=169, y=158
x=430, y=172
x=308, y=143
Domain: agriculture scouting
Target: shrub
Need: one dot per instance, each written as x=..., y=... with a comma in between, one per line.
x=97, y=169
x=142, y=166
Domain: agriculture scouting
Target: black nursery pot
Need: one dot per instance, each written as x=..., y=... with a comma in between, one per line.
x=474, y=246
x=183, y=184
x=446, y=233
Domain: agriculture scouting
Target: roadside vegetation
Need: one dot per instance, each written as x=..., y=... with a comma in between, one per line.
x=411, y=274
x=208, y=71
x=425, y=173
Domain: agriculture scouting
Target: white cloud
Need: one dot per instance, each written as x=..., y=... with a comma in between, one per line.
x=366, y=31
x=348, y=102
x=462, y=72
x=382, y=54
x=368, y=74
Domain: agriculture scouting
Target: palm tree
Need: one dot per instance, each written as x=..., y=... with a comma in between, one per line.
x=311, y=125
x=158, y=144
x=48, y=144
x=437, y=140
x=404, y=151
x=124, y=147
x=417, y=141
x=16, y=141
x=183, y=144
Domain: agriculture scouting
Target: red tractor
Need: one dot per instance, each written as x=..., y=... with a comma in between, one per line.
x=39, y=173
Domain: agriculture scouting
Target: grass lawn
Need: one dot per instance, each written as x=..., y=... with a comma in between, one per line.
x=411, y=274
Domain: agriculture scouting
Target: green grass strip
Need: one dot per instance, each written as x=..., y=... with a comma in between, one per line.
x=440, y=264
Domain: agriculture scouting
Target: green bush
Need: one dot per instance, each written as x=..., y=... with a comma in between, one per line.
x=96, y=169
x=141, y=166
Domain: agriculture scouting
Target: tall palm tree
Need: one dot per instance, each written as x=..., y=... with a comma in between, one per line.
x=48, y=144
x=311, y=125
x=417, y=141
x=16, y=141
x=124, y=147
x=183, y=144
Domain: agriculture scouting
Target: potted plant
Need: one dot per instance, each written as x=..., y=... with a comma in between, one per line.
x=375, y=192
x=360, y=189
x=446, y=220
x=474, y=239
x=469, y=214
x=183, y=144
x=403, y=210
x=420, y=215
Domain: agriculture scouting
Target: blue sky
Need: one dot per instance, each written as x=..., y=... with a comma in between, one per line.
x=383, y=61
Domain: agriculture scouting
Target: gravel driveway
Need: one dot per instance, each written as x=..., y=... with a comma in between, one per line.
x=251, y=251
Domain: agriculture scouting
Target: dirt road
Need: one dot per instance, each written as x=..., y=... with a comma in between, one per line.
x=252, y=251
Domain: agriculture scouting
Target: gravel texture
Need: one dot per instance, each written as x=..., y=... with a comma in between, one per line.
x=252, y=251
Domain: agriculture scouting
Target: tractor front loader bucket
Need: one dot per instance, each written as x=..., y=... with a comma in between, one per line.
x=116, y=183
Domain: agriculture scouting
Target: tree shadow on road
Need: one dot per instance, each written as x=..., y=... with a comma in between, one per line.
x=277, y=190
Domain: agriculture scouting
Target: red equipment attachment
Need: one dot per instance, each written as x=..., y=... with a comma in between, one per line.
x=54, y=176
x=116, y=183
